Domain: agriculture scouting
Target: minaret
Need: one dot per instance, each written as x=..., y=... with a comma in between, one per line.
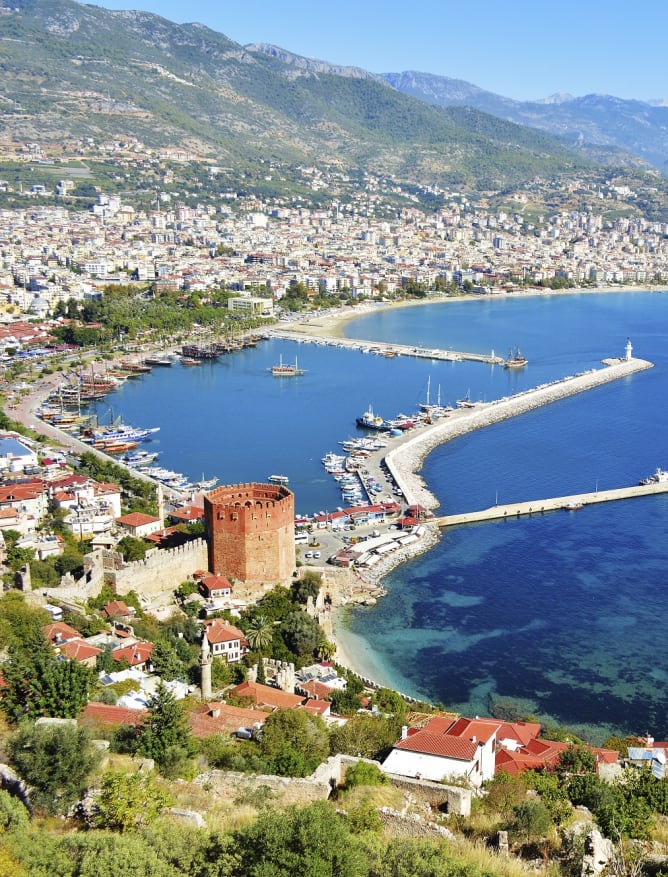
x=205, y=661
x=161, y=504
x=629, y=350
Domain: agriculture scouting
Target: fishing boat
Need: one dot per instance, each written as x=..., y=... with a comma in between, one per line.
x=189, y=361
x=282, y=370
x=466, y=401
x=278, y=479
x=515, y=359
x=369, y=420
x=572, y=506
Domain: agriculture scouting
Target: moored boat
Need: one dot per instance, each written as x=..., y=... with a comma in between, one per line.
x=369, y=420
x=278, y=479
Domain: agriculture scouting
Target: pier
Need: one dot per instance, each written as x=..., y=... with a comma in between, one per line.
x=539, y=506
x=405, y=460
x=388, y=349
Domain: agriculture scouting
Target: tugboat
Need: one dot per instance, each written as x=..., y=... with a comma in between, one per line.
x=515, y=359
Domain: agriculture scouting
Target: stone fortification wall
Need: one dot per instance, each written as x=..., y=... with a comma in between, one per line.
x=161, y=570
x=286, y=790
x=250, y=528
x=456, y=799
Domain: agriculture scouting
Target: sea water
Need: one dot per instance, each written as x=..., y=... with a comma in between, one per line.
x=559, y=615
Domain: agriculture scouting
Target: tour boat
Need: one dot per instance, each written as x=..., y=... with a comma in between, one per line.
x=278, y=479
x=515, y=359
x=286, y=371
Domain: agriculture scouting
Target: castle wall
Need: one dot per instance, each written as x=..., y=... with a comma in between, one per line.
x=250, y=528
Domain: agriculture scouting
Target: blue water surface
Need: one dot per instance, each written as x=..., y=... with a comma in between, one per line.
x=557, y=615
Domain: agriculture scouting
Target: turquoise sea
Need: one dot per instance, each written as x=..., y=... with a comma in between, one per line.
x=560, y=615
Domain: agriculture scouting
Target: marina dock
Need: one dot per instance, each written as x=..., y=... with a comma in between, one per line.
x=388, y=350
x=539, y=506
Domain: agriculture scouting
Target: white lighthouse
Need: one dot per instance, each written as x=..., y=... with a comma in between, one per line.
x=629, y=350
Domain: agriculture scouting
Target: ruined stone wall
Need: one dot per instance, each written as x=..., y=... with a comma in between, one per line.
x=457, y=799
x=250, y=528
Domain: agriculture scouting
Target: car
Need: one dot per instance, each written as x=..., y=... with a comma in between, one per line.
x=308, y=554
x=316, y=554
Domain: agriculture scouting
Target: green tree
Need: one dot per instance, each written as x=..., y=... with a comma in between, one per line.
x=129, y=801
x=13, y=814
x=55, y=760
x=365, y=774
x=165, y=735
x=301, y=634
x=307, y=585
x=165, y=661
x=131, y=548
x=39, y=684
x=19, y=622
x=313, y=842
x=532, y=821
x=295, y=741
x=366, y=736
x=389, y=701
x=576, y=759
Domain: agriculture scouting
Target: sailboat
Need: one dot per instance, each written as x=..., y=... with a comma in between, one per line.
x=515, y=359
x=286, y=371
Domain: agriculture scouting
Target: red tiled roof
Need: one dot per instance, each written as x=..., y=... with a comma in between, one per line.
x=79, y=650
x=204, y=722
x=104, y=714
x=265, y=695
x=137, y=519
x=439, y=744
x=218, y=630
x=137, y=653
x=58, y=630
x=116, y=607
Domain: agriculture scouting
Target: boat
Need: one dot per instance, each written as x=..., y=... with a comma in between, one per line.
x=369, y=420
x=189, y=360
x=206, y=483
x=659, y=477
x=158, y=360
x=286, y=371
x=572, y=506
x=466, y=401
x=278, y=479
x=197, y=351
x=515, y=359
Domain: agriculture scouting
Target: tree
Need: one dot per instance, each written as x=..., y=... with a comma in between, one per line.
x=259, y=634
x=295, y=741
x=131, y=548
x=389, y=701
x=165, y=735
x=55, y=761
x=39, y=684
x=129, y=801
x=313, y=842
x=365, y=774
x=576, y=759
x=366, y=736
x=165, y=661
x=307, y=585
x=301, y=634
x=532, y=821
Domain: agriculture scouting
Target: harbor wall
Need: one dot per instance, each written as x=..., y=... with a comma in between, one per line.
x=405, y=461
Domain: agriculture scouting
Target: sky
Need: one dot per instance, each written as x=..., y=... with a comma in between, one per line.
x=522, y=49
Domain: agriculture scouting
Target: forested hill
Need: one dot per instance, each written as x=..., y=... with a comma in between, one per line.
x=71, y=71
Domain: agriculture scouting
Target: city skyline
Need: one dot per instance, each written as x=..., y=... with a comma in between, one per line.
x=522, y=50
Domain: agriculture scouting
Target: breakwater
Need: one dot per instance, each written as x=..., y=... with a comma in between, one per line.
x=405, y=460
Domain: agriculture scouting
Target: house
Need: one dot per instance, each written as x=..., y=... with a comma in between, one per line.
x=444, y=747
x=28, y=497
x=105, y=716
x=137, y=655
x=225, y=640
x=80, y=651
x=267, y=698
x=117, y=609
x=139, y=525
x=223, y=718
x=59, y=632
x=215, y=587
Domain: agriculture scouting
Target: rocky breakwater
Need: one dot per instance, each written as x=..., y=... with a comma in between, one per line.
x=405, y=460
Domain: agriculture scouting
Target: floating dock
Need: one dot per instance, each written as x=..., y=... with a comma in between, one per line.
x=539, y=506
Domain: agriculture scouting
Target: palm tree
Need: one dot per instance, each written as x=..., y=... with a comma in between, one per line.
x=260, y=634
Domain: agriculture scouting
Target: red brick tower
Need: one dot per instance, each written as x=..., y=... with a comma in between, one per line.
x=251, y=532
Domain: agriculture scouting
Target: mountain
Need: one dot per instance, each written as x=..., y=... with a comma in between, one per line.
x=72, y=71
x=592, y=122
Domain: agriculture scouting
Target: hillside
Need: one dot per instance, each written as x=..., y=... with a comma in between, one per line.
x=594, y=123
x=73, y=71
